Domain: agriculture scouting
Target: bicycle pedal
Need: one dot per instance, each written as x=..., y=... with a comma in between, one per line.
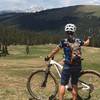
x=51, y=97
x=31, y=98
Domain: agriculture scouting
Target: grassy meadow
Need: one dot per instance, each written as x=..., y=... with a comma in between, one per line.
x=16, y=67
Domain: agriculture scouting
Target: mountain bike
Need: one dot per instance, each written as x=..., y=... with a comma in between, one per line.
x=43, y=84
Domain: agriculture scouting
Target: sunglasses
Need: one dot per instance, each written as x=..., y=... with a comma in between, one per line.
x=69, y=33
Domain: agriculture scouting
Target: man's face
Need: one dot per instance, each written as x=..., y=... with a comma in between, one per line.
x=69, y=35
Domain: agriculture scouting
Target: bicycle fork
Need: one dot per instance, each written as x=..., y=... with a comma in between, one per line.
x=45, y=80
x=46, y=76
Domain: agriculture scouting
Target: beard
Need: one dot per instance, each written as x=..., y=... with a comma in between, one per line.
x=71, y=38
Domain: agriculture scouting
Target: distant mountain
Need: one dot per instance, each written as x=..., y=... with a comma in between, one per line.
x=86, y=17
x=51, y=19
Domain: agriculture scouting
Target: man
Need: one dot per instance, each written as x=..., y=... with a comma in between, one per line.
x=72, y=60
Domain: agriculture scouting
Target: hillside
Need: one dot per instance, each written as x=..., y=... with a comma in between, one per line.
x=50, y=19
x=87, y=19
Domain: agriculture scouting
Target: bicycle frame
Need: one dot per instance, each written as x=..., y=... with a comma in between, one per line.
x=57, y=66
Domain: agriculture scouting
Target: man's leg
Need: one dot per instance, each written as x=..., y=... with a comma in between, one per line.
x=64, y=81
x=74, y=80
x=61, y=92
x=74, y=92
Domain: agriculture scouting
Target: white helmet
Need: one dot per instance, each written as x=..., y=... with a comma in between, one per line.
x=70, y=27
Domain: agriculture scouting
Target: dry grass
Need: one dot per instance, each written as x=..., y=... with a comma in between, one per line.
x=15, y=68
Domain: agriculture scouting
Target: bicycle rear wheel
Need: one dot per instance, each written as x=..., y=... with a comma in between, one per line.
x=92, y=79
x=39, y=92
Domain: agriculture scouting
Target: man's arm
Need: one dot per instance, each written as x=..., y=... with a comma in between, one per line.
x=54, y=51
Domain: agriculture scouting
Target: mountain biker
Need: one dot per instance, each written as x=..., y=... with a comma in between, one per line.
x=72, y=60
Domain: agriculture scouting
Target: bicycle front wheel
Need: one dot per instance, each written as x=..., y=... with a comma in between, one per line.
x=39, y=92
x=91, y=79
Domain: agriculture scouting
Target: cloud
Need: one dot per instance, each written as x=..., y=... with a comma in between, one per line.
x=14, y=4
x=44, y=4
x=97, y=2
x=65, y=2
x=80, y=2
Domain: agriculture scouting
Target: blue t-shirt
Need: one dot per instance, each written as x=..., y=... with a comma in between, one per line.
x=71, y=49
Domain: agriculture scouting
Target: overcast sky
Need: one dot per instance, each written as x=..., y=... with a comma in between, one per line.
x=42, y=4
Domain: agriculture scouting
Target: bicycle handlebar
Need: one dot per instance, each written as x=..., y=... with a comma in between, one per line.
x=47, y=58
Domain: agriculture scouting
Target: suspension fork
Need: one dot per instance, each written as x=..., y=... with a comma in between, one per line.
x=46, y=76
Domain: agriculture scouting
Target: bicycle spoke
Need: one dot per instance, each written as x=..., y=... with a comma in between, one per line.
x=92, y=81
x=37, y=86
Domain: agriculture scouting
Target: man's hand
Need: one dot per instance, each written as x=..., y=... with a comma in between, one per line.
x=47, y=58
x=87, y=41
